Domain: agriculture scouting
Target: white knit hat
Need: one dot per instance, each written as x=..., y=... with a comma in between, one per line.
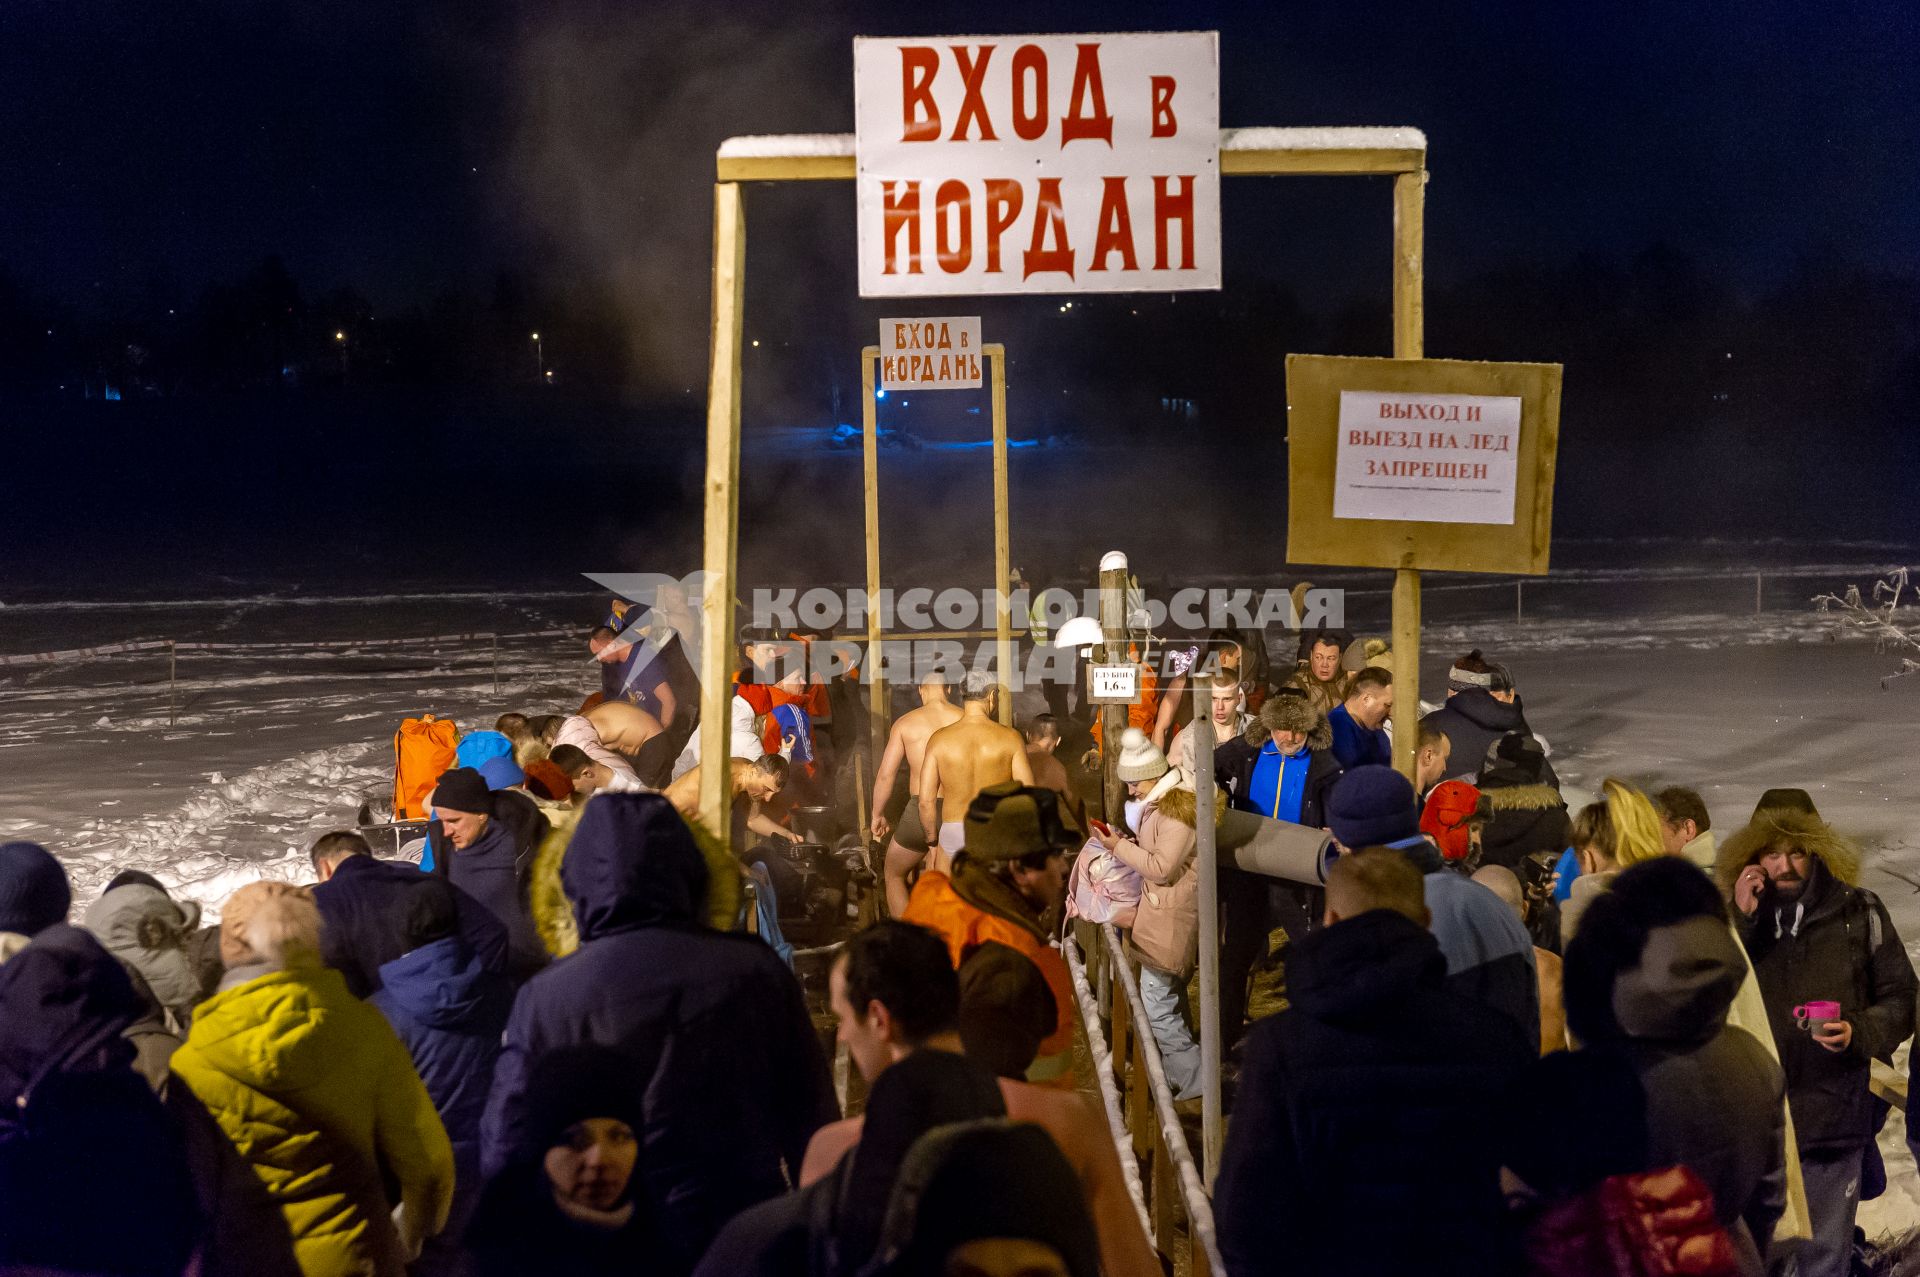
x=1140, y=758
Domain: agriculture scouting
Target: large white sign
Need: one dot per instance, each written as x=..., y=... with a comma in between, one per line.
x=938, y=353
x=1038, y=164
x=1428, y=458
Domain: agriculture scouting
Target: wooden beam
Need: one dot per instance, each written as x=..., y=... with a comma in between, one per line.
x=1256, y=152
x=1002, y=536
x=1409, y=265
x=1409, y=342
x=722, y=522
x=870, y=434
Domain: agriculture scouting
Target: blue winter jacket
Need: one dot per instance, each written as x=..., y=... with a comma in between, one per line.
x=1489, y=954
x=450, y=1010
x=1357, y=746
x=728, y=1074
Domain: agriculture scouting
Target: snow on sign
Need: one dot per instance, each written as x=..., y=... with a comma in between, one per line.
x=930, y=354
x=1038, y=164
x=1427, y=458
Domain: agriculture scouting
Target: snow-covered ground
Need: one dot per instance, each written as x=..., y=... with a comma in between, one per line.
x=270, y=746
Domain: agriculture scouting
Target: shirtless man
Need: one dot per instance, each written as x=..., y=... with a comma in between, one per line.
x=756, y=781
x=623, y=727
x=1043, y=737
x=908, y=740
x=961, y=761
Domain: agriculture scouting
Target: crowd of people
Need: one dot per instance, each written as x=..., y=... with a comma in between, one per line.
x=543, y=1038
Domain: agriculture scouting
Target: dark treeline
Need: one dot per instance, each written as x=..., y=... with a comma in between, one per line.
x=1654, y=348
x=264, y=332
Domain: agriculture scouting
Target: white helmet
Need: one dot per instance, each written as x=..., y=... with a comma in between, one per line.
x=1082, y=632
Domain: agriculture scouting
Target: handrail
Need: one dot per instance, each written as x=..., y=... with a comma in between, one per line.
x=1168, y=1135
x=1109, y=1090
x=1173, y=1136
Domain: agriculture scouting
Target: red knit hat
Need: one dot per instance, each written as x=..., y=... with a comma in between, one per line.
x=546, y=780
x=1444, y=819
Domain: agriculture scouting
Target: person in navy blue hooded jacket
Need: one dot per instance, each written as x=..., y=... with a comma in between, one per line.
x=450, y=1008
x=1489, y=955
x=365, y=906
x=94, y=1174
x=727, y=1069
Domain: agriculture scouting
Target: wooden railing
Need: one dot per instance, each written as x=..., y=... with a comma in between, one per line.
x=1164, y=1179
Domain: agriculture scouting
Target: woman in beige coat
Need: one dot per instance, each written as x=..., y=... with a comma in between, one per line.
x=1167, y=926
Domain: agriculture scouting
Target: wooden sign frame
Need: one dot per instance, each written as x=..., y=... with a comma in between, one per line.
x=1314, y=535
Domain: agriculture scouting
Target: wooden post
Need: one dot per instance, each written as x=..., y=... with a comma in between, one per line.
x=870, y=435
x=1164, y=1201
x=1759, y=584
x=172, y=682
x=1113, y=718
x=1519, y=600
x=1409, y=318
x=495, y=639
x=1141, y=1117
x=1002, y=537
x=1406, y=668
x=1206, y=866
x=722, y=501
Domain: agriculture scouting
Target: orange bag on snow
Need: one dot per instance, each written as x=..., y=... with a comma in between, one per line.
x=423, y=748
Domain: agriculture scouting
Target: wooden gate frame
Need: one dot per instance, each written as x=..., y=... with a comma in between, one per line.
x=813, y=158
x=996, y=356
x=1255, y=152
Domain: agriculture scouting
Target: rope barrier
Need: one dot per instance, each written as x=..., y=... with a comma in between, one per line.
x=75, y=654
x=82, y=653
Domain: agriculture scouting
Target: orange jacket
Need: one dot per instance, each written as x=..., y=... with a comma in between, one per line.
x=936, y=906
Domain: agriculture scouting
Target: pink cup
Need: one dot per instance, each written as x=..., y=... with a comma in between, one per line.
x=1812, y=1015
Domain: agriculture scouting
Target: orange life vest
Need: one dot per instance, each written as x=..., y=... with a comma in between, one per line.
x=423, y=748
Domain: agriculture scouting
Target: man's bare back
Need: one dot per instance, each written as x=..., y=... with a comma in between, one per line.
x=962, y=760
x=1050, y=773
x=907, y=743
x=916, y=728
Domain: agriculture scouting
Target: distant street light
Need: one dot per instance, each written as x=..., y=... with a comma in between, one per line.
x=340, y=336
x=539, y=357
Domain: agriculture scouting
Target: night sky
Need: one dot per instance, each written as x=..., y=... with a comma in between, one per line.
x=414, y=149
x=403, y=146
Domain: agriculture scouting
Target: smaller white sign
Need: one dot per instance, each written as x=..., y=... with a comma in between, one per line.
x=1427, y=458
x=937, y=353
x=1114, y=684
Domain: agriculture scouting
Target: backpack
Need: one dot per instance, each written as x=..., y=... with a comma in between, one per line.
x=423, y=748
x=1652, y=1224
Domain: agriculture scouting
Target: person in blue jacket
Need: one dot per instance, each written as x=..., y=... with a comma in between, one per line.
x=449, y=1008
x=727, y=1071
x=1359, y=722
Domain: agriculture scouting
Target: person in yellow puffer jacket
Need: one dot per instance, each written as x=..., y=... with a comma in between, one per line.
x=316, y=1092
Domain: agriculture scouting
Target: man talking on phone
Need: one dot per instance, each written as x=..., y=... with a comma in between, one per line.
x=1839, y=990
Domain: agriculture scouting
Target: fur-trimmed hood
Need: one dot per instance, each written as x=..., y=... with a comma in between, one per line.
x=1523, y=798
x=1182, y=805
x=1812, y=835
x=1290, y=711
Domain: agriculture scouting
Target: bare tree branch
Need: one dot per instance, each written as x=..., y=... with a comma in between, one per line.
x=1880, y=619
